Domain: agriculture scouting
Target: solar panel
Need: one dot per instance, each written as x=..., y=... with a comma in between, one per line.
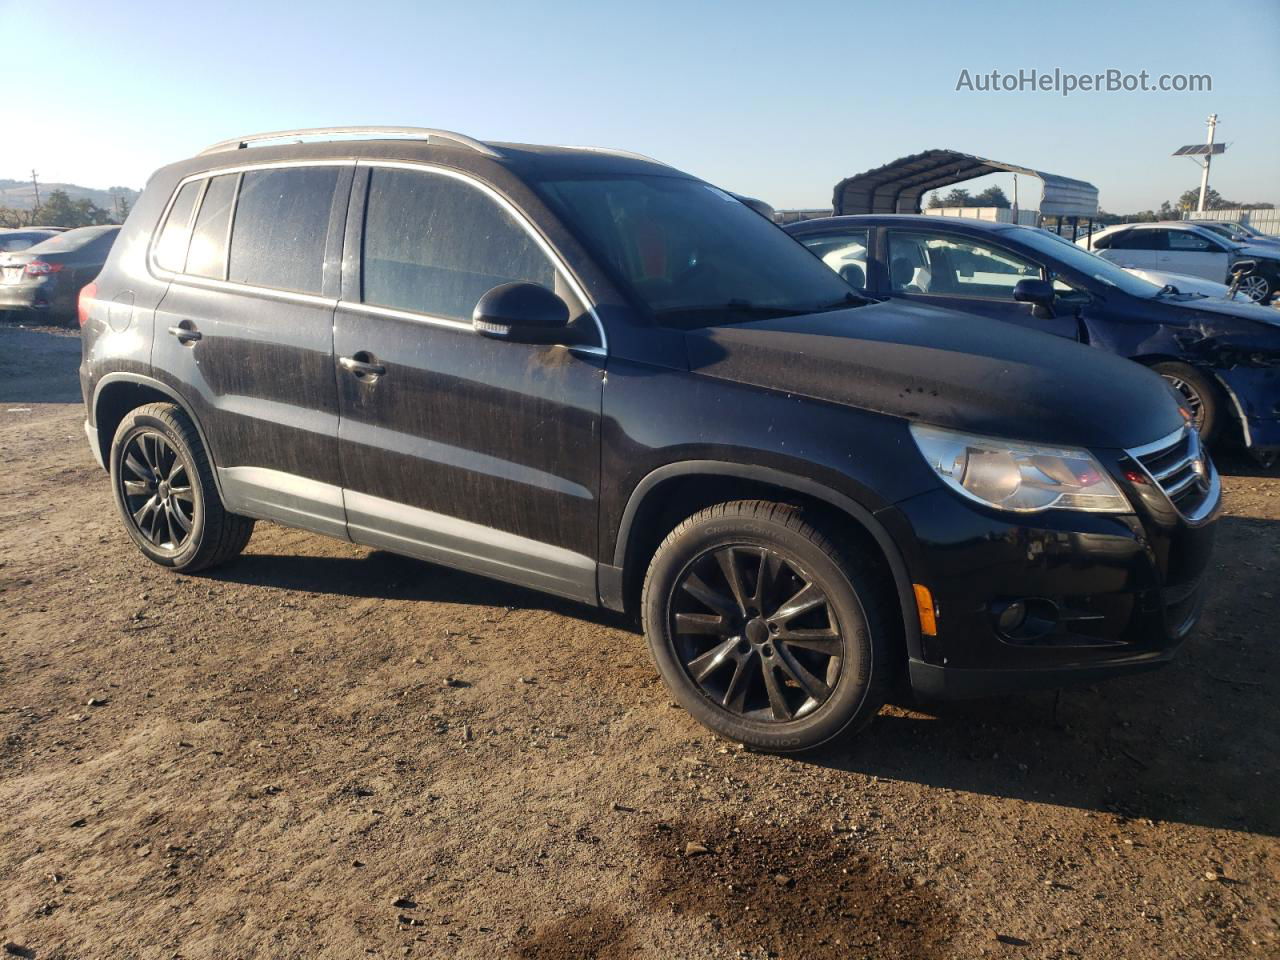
x=1200, y=149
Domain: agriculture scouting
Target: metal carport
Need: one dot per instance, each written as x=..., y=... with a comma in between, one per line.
x=897, y=187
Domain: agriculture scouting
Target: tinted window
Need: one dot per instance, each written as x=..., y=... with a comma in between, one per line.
x=281, y=222
x=208, y=254
x=1142, y=240
x=435, y=245
x=1105, y=242
x=171, y=248
x=845, y=253
x=691, y=253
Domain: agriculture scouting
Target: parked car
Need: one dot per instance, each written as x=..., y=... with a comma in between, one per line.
x=596, y=376
x=1223, y=357
x=1183, y=247
x=46, y=278
x=1239, y=232
x=20, y=238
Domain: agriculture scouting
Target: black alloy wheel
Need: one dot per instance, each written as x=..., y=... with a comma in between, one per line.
x=756, y=633
x=155, y=485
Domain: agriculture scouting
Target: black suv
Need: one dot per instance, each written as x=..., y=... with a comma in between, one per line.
x=591, y=374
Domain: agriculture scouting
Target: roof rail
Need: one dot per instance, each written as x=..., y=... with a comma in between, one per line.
x=365, y=133
x=617, y=153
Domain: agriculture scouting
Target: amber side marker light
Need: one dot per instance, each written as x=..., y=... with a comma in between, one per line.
x=924, y=607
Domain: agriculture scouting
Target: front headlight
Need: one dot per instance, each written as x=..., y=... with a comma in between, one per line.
x=1020, y=477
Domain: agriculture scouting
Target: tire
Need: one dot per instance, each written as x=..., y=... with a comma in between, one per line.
x=719, y=664
x=1256, y=287
x=1200, y=393
x=165, y=492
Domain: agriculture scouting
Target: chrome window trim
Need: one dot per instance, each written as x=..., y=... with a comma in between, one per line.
x=557, y=262
x=268, y=293
x=159, y=272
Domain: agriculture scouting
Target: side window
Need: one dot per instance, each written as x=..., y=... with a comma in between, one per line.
x=435, y=245
x=1105, y=243
x=1186, y=240
x=171, y=247
x=954, y=266
x=208, y=254
x=1143, y=240
x=281, y=222
x=845, y=253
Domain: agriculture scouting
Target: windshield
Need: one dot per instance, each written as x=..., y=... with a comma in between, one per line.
x=1082, y=261
x=692, y=255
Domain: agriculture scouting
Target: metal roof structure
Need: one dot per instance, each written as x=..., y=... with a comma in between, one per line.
x=897, y=187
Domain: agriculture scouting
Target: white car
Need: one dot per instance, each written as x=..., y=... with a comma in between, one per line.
x=1177, y=247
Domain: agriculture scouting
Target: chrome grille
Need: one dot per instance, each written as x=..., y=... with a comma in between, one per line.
x=1179, y=466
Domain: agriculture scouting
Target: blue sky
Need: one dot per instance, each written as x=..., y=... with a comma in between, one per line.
x=779, y=100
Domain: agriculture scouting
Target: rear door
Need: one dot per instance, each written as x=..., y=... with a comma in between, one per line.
x=476, y=453
x=245, y=333
x=970, y=274
x=1139, y=247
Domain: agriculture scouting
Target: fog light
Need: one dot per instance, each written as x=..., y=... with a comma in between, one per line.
x=1012, y=617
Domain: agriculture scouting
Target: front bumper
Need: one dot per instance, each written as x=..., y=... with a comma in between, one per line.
x=1119, y=592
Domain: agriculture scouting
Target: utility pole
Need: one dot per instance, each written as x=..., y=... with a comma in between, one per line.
x=35, y=183
x=1204, y=174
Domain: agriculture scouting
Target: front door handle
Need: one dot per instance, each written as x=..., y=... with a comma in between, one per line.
x=362, y=365
x=185, y=332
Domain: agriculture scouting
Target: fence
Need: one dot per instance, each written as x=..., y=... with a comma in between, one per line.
x=1268, y=221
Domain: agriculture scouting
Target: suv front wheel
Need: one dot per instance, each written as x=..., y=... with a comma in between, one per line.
x=166, y=495
x=765, y=630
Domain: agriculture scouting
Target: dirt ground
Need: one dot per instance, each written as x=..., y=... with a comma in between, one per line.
x=323, y=751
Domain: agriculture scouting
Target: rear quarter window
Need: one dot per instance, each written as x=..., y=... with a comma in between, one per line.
x=171, y=246
x=281, y=224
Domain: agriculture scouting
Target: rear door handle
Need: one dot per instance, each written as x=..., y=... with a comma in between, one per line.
x=187, y=333
x=362, y=365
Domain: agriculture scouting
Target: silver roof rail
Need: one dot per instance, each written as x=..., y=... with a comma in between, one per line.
x=366, y=133
x=617, y=153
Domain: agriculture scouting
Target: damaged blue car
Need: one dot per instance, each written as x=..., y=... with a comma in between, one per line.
x=1222, y=356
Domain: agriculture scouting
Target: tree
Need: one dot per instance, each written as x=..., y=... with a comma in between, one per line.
x=935, y=201
x=991, y=197
x=10, y=217
x=958, y=197
x=59, y=210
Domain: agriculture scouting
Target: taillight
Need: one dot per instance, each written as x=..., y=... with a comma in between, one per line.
x=38, y=268
x=87, y=294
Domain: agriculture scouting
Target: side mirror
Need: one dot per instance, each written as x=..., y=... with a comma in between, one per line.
x=523, y=313
x=1038, y=292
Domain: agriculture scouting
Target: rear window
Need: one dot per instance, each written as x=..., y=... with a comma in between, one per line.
x=435, y=245
x=76, y=239
x=20, y=242
x=208, y=254
x=171, y=248
x=281, y=223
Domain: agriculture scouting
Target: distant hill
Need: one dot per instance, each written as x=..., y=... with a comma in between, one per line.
x=20, y=195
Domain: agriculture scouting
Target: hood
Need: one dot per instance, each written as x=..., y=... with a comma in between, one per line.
x=947, y=368
x=1263, y=251
x=1243, y=309
x=1184, y=282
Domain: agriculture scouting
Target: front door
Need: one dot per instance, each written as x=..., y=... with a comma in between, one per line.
x=245, y=332
x=969, y=274
x=1195, y=255
x=476, y=453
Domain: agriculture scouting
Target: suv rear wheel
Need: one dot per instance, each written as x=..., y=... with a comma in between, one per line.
x=765, y=630
x=165, y=491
